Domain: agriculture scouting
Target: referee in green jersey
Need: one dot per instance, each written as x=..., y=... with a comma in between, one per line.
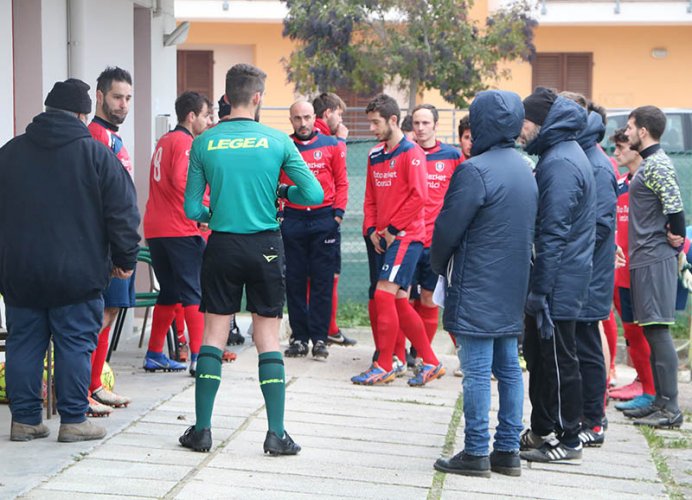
x=241, y=160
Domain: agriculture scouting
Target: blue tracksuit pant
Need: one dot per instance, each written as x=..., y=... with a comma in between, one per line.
x=311, y=245
x=74, y=329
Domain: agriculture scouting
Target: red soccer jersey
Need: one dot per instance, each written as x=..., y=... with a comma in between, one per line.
x=107, y=134
x=395, y=190
x=326, y=158
x=442, y=160
x=164, y=216
x=622, y=274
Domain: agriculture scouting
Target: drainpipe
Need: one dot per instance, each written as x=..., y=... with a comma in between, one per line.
x=617, y=6
x=544, y=9
x=689, y=7
x=76, y=36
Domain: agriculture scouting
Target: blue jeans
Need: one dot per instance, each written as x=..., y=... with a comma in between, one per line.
x=479, y=357
x=74, y=329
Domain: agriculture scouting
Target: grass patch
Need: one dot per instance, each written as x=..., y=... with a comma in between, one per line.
x=439, y=478
x=416, y=402
x=352, y=315
x=655, y=443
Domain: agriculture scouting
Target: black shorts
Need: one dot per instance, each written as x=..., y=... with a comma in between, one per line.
x=423, y=278
x=252, y=261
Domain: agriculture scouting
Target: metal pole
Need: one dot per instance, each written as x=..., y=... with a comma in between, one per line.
x=617, y=6
x=544, y=9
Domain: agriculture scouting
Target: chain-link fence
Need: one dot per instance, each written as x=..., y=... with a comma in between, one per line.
x=354, y=281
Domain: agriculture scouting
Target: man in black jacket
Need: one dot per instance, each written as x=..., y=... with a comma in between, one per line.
x=68, y=221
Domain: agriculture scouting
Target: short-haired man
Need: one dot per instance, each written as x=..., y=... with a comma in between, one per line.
x=310, y=236
x=241, y=161
x=655, y=205
x=492, y=197
x=394, y=222
x=565, y=235
x=174, y=240
x=441, y=162
x=68, y=221
x=113, y=95
x=329, y=111
x=407, y=128
x=597, y=306
x=641, y=392
x=465, y=140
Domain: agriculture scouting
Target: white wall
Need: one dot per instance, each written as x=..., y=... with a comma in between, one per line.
x=53, y=42
x=225, y=56
x=6, y=76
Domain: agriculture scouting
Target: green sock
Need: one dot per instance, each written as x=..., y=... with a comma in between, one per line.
x=273, y=385
x=207, y=381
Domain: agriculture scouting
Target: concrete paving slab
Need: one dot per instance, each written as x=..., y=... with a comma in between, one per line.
x=123, y=486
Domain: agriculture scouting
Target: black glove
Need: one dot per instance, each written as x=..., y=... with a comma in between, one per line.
x=537, y=306
x=282, y=191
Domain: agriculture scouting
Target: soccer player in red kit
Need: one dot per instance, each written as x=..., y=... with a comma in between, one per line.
x=329, y=109
x=395, y=194
x=441, y=161
x=174, y=240
x=113, y=95
x=310, y=236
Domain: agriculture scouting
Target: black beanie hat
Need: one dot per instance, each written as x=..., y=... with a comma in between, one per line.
x=70, y=95
x=224, y=107
x=537, y=105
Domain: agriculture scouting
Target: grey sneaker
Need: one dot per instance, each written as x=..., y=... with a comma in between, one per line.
x=554, y=451
x=84, y=431
x=27, y=432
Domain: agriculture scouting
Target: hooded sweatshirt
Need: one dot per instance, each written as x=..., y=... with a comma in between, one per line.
x=68, y=213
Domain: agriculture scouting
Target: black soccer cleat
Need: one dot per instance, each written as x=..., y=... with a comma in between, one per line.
x=275, y=446
x=196, y=440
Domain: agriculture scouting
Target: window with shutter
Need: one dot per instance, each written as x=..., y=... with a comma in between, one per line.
x=196, y=71
x=564, y=71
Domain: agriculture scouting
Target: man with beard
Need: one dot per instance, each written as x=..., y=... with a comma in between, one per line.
x=113, y=95
x=564, y=243
x=329, y=110
x=656, y=237
x=310, y=236
x=174, y=240
x=241, y=161
x=394, y=222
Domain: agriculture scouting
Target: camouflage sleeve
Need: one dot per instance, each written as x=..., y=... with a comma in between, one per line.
x=661, y=178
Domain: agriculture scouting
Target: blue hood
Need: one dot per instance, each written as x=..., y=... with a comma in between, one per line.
x=593, y=132
x=496, y=118
x=564, y=122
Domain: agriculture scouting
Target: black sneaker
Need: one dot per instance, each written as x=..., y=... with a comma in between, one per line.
x=319, y=350
x=411, y=358
x=465, y=465
x=196, y=440
x=592, y=437
x=529, y=440
x=234, y=335
x=340, y=339
x=554, y=451
x=297, y=349
x=662, y=419
x=507, y=463
x=641, y=412
x=275, y=446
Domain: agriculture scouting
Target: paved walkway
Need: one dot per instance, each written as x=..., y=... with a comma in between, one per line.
x=358, y=442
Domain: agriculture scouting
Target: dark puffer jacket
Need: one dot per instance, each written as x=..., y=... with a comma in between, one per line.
x=68, y=212
x=566, y=223
x=600, y=295
x=483, y=235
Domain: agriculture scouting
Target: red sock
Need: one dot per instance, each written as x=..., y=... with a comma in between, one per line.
x=454, y=340
x=195, y=327
x=640, y=353
x=372, y=313
x=400, y=346
x=98, y=358
x=430, y=316
x=387, y=327
x=413, y=328
x=333, y=328
x=162, y=318
x=610, y=328
x=180, y=323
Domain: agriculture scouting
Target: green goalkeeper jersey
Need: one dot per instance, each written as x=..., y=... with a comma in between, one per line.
x=241, y=160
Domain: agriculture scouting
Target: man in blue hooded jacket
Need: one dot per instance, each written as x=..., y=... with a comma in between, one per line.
x=597, y=305
x=487, y=224
x=565, y=235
